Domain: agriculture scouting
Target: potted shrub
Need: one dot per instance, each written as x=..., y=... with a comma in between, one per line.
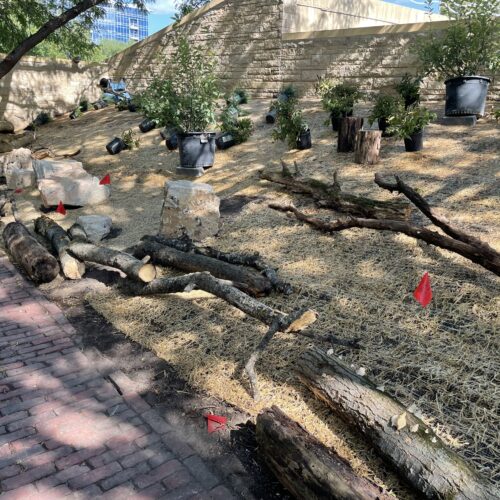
x=464, y=53
x=286, y=92
x=385, y=106
x=337, y=99
x=237, y=97
x=290, y=125
x=409, y=89
x=234, y=131
x=128, y=140
x=409, y=124
x=185, y=99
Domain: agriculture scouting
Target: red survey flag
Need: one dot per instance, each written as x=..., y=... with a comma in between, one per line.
x=423, y=292
x=18, y=191
x=105, y=180
x=60, y=208
x=215, y=423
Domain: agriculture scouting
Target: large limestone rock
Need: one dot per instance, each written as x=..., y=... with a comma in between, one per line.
x=67, y=181
x=6, y=127
x=18, y=178
x=77, y=192
x=189, y=208
x=16, y=166
x=95, y=227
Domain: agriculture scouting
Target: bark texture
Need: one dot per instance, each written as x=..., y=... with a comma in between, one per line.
x=39, y=264
x=247, y=280
x=349, y=128
x=72, y=268
x=131, y=266
x=367, y=149
x=304, y=466
x=400, y=437
x=331, y=196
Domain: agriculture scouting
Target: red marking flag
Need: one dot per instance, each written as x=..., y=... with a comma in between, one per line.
x=423, y=292
x=18, y=191
x=105, y=180
x=60, y=208
x=215, y=423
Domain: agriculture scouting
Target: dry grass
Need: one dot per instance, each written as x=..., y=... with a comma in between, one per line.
x=444, y=359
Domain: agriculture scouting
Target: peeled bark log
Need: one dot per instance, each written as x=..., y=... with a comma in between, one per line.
x=403, y=439
x=349, y=128
x=39, y=264
x=131, y=266
x=488, y=260
x=238, y=259
x=367, y=149
x=245, y=279
x=72, y=268
x=304, y=466
x=332, y=196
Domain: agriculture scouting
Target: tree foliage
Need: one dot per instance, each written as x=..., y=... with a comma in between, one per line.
x=185, y=7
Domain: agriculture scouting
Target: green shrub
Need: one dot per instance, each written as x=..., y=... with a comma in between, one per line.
x=289, y=122
x=408, y=121
x=130, y=138
x=237, y=97
x=185, y=98
x=385, y=106
x=338, y=99
x=409, y=89
x=240, y=129
x=469, y=46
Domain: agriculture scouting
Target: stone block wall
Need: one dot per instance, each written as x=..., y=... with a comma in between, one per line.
x=245, y=36
x=53, y=85
x=375, y=58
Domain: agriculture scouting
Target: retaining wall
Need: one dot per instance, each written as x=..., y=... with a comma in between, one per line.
x=54, y=85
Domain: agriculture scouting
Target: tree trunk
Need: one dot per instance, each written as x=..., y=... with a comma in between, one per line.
x=131, y=266
x=349, y=127
x=403, y=439
x=304, y=466
x=72, y=268
x=367, y=150
x=39, y=264
x=254, y=260
x=331, y=196
x=247, y=280
x=47, y=29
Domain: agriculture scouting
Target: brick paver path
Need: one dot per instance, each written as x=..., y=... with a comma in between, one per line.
x=66, y=431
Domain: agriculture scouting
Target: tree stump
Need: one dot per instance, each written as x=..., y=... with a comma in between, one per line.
x=349, y=127
x=367, y=149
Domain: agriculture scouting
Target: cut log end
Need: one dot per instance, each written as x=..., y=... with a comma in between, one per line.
x=147, y=273
x=304, y=321
x=72, y=268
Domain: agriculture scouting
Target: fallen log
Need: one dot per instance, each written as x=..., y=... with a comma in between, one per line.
x=331, y=196
x=304, y=466
x=39, y=264
x=367, y=148
x=72, y=268
x=132, y=267
x=406, y=442
x=247, y=280
x=489, y=259
x=277, y=321
x=253, y=260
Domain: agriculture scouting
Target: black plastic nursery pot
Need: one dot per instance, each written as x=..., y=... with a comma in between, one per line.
x=337, y=118
x=132, y=107
x=73, y=115
x=272, y=114
x=197, y=149
x=172, y=141
x=225, y=141
x=415, y=142
x=146, y=125
x=115, y=146
x=304, y=140
x=466, y=95
x=100, y=104
x=84, y=107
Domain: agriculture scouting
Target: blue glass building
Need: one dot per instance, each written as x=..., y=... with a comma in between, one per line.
x=125, y=25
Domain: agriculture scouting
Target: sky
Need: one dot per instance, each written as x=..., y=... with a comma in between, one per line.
x=161, y=12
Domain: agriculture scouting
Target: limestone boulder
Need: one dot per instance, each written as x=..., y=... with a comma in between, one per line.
x=72, y=191
x=20, y=178
x=18, y=158
x=47, y=169
x=95, y=227
x=189, y=208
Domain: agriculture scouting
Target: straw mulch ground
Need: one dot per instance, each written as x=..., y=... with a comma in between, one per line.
x=443, y=359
